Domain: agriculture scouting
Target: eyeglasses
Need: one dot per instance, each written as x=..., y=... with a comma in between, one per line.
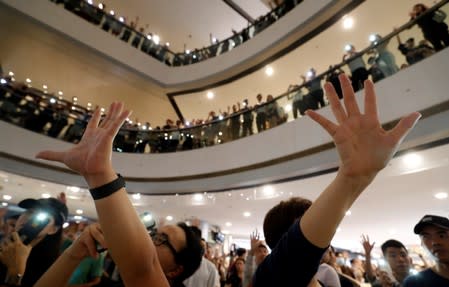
x=162, y=239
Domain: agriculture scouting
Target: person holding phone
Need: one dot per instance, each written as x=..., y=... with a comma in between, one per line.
x=364, y=149
x=34, y=245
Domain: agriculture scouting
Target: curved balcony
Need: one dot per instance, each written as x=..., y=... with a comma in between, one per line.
x=151, y=46
x=288, y=32
x=292, y=150
x=41, y=112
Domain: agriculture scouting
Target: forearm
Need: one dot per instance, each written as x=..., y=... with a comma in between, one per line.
x=59, y=272
x=330, y=207
x=127, y=239
x=369, y=268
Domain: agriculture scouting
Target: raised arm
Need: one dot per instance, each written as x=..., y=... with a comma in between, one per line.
x=364, y=148
x=128, y=241
x=368, y=247
x=61, y=270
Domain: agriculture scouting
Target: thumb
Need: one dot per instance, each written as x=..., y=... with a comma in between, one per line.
x=51, y=155
x=404, y=126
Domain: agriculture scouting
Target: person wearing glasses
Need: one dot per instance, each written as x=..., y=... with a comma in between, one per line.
x=364, y=149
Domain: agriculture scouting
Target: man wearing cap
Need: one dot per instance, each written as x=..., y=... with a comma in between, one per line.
x=434, y=233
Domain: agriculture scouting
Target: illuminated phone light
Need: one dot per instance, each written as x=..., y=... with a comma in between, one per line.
x=3, y=81
x=41, y=216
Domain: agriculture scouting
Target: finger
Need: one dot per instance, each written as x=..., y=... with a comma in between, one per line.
x=93, y=122
x=336, y=107
x=91, y=246
x=118, y=122
x=352, y=109
x=404, y=126
x=51, y=155
x=370, y=100
x=109, y=115
x=329, y=126
x=98, y=236
x=15, y=237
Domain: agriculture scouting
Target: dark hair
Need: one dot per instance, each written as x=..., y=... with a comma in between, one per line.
x=392, y=243
x=42, y=257
x=240, y=251
x=196, y=231
x=279, y=219
x=189, y=257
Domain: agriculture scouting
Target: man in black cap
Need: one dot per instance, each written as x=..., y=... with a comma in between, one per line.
x=434, y=233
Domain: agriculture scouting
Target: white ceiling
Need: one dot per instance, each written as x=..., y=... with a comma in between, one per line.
x=390, y=207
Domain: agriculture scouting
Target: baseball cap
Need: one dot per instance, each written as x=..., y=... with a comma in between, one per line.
x=435, y=220
x=52, y=205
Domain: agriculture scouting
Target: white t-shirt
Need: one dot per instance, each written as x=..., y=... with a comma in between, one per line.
x=205, y=276
x=328, y=276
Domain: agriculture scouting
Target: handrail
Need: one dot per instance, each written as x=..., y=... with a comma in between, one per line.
x=161, y=52
x=195, y=136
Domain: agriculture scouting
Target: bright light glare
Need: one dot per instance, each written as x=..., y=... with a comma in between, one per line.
x=372, y=38
x=65, y=225
x=348, y=22
x=228, y=224
x=169, y=218
x=269, y=71
x=348, y=47
x=52, y=100
x=247, y=214
x=156, y=39
x=147, y=217
x=210, y=95
x=79, y=211
x=41, y=216
x=198, y=197
x=439, y=195
x=268, y=190
x=412, y=160
x=46, y=195
x=28, y=80
x=7, y=197
x=136, y=196
x=60, y=93
x=78, y=217
x=288, y=108
x=348, y=213
x=3, y=81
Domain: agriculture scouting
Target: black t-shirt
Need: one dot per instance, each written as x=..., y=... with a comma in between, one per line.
x=426, y=278
x=293, y=262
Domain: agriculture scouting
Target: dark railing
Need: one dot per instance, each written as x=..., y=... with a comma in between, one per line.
x=149, y=45
x=39, y=111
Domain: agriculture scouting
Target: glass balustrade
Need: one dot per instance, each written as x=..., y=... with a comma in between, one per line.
x=39, y=111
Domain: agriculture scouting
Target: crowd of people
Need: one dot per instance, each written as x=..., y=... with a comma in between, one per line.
x=42, y=112
x=36, y=251
x=149, y=43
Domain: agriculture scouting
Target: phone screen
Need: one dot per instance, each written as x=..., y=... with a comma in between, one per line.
x=35, y=224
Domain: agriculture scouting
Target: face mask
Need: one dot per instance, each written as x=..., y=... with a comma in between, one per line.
x=340, y=261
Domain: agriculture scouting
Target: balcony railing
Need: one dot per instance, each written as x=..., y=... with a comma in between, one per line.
x=49, y=114
x=150, y=45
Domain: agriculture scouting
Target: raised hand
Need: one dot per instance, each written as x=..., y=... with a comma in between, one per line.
x=92, y=155
x=367, y=245
x=363, y=145
x=254, y=238
x=86, y=244
x=14, y=254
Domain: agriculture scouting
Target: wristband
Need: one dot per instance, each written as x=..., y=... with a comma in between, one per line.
x=107, y=189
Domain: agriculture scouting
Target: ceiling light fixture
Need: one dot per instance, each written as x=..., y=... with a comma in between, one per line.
x=439, y=195
x=269, y=71
x=7, y=197
x=228, y=224
x=247, y=214
x=210, y=95
x=348, y=213
x=46, y=195
x=348, y=22
x=136, y=196
x=79, y=211
x=169, y=218
x=412, y=160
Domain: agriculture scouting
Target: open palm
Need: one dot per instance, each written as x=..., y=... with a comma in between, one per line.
x=363, y=145
x=92, y=155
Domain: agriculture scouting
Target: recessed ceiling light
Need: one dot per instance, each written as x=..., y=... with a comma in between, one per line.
x=7, y=197
x=136, y=196
x=156, y=39
x=11, y=74
x=44, y=86
x=28, y=80
x=338, y=229
x=73, y=188
x=46, y=195
x=228, y=224
x=412, y=160
x=288, y=108
x=348, y=22
x=247, y=214
x=4, y=204
x=348, y=213
x=198, y=197
x=268, y=190
x=79, y=211
x=439, y=195
x=169, y=218
x=225, y=231
x=78, y=217
x=269, y=71
x=210, y=95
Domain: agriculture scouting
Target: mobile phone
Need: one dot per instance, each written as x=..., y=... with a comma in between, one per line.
x=37, y=221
